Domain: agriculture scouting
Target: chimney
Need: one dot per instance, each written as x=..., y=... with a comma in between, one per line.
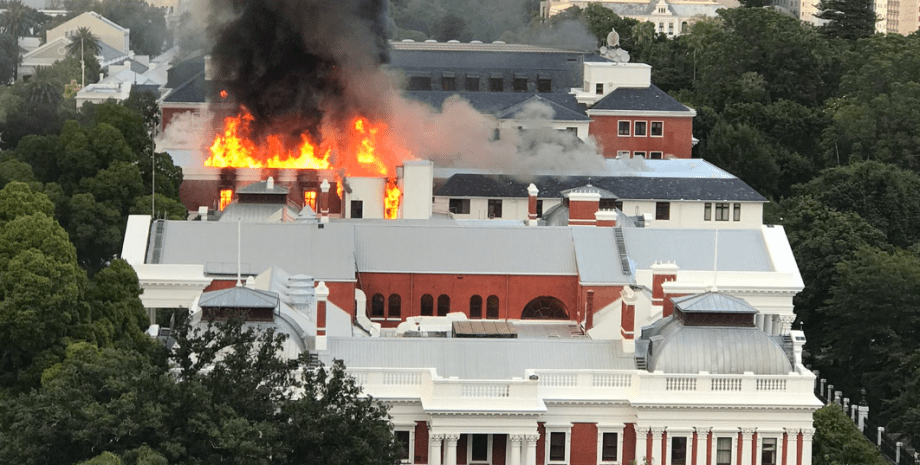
x=583, y=208
x=417, y=185
x=270, y=184
x=628, y=300
x=208, y=68
x=323, y=212
x=661, y=273
x=322, y=295
x=589, y=308
x=532, y=192
x=606, y=218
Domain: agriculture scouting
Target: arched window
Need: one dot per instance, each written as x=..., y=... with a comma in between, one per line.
x=427, y=305
x=545, y=308
x=683, y=27
x=476, y=306
x=492, y=307
x=443, y=305
x=395, y=307
x=377, y=306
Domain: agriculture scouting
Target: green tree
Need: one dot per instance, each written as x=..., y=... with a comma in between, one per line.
x=83, y=44
x=40, y=152
x=9, y=58
x=847, y=19
x=165, y=207
x=17, y=199
x=744, y=152
x=18, y=19
x=95, y=230
x=44, y=89
x=838, y=441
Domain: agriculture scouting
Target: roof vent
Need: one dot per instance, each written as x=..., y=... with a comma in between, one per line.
x=431, y=41
x=498, y=42
x=453, y=41
x=408, y=40
x=475, y=41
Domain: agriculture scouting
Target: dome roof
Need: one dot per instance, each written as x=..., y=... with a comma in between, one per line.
x=718, y=350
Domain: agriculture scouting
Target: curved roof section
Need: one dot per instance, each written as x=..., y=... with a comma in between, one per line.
x=239, y=297
x=712, y=302
x=639, y=99
x=505, y=105
x=716, y=350
x=739, y=249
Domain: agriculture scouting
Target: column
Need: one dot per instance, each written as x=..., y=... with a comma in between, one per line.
x=747, y=434
x=515, y=444
x=530, y=449
x=641, y=443
x=434, y=443
x=807, y=435
x=450, y=449
x=702, y=434
x=791, y=446
x=656, y=446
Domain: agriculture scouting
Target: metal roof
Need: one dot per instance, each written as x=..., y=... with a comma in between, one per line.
x=239, y=297
x=478, y=358
x=298, y=248
x=261, y=187
x=472, y=47
x=716, y=350
x=739, y=250
x=639, y=99
x=500, y=103
x=598, y=257
x=258, y=212
x=559, y=112
x=628, y=167
x=395, y=248
x=713, y=302
x=589, y=189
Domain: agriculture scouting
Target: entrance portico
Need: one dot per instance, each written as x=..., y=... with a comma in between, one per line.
x=483, y=439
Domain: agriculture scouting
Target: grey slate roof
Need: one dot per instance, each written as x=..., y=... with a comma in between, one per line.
x=482, y=56
x=717, y=350
x=393, y=248
x=186, y=79
x=239, y=297
x=713, y=302
x=477, y=358
x=559, y=112
x=739, y=249
x=636, y=188
x=598, y=257
x=502, y=103
x=639, y=99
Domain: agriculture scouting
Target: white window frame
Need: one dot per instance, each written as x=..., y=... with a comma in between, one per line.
x=600, y=444
x=688, y=435
x=623, y=153
x=779, y=445
x=651, y=155
x=650, y=129
x=630, y=128
x=567, y=430
x=733, y=436
x=639, y=153
x=469, y=447
x=411, y=429
x=635, y=124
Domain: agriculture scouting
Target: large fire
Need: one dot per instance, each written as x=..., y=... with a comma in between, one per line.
x=363, y=150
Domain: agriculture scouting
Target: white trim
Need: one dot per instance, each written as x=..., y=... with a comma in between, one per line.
x=643, y=114
x=567, y=430
x=650, y=128
x=411, y=430
x=489, y=445
x=601, y=430
x=635, y=128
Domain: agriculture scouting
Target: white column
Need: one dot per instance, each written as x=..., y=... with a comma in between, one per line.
x=747, y=435
x=434, y=446
x=516, y=440
x=530, y=448
x=807, y=435
x=759, y=321
x=792, y=445
x=701, y=435
x=450, y=449
x=641, y=443
x=656, y=446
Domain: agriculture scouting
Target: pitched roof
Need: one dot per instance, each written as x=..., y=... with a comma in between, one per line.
x=712, y=302
x=739, y=249
x=560, y=113
x=646, y=188
x=239, y=297
x=501, y=103
x=639, y=99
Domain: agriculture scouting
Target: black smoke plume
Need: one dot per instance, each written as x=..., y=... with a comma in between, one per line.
x=289, y=61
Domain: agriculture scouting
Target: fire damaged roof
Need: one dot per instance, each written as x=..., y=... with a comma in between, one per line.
x=506, y=104
x=639, y=99
x=629, y=187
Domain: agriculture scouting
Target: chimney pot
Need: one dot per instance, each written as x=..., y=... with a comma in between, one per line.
x=270, y=183
x=532, y=192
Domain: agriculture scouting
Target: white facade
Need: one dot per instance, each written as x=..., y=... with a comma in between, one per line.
x=602, y=78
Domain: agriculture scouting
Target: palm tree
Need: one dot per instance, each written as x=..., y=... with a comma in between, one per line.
x=83, y=43
x=17, y=18
x=44, y=88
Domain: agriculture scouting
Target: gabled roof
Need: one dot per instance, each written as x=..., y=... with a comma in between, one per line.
x=739, y=249
x=261, y=187
x=560, y=112
x=713, y=302
x=501, y=103
x=186, y=81
x=639, y=99
x=589, y=189
x=636, y=188
x=239, y=297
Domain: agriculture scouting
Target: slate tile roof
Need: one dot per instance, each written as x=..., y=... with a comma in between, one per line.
x=639, y=99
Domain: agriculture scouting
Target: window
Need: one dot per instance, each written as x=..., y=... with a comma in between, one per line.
x=427, y=305
x=403, y=439
x=662, y=210
x=420, y=83
x=619, y=205
x=492, y=307
x=661, y=27
x=607, y=204
x=622, y=153
x=472, y=83
x=377, y=306
x=678, y=450
x=309, y=199
x=539, y=208
x=479, y=448
x=495, y=208
x=707, y=212
x=443, y=305
x=599, y=89
x=724, y=451
x=496, y=84
x=557, y=447
x=638, y=154
x=655, y=155
x=657, y=128
x=721, y=212
x=623, y=128
x=395, y=306
x=609, y=447
x=671, y=29
x=683, y=27
x=448, y=83
x=357, y=209
x=520, y=84
x=768, y=452
x=641, y=127
x=736, y=212
x=544, y=85
x=459, y=206
x=476, y=306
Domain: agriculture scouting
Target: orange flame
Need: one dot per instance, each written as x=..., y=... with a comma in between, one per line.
x=234, y=149
x=391, y=200
x=226, y=196
x=223, y=94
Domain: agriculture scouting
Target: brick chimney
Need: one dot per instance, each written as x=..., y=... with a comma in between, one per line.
x=606, y=218
x=583, y=207
x=532, y=192
x=322, y=295
x=589, y=309
x=628, y=300
x=323, y=206
x=661, y=273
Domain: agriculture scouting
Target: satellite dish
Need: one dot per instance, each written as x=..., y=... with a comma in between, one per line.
x=613, y=39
